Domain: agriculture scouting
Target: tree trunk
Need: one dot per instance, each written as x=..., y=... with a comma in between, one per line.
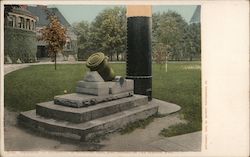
x=111, y=56
x=55, y=61
x=166, y=66
x=191, y=58
x=117, y=56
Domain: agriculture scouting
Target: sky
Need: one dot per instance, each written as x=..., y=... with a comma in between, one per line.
x=77, y=13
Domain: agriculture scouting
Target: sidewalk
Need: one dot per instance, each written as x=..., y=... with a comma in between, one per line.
x=187, y=142
x=148, y=139
x=13, y=67
x=139, y=140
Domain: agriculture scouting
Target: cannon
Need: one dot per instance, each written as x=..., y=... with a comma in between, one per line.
x=99, y=62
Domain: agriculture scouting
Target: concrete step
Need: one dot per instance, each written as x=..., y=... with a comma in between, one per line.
x=78, y=115
x=88, y=130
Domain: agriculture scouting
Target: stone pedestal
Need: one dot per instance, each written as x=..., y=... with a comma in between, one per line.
x=93, y=84
x=97, y=108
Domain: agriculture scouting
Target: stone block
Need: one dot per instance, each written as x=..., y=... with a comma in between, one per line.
x=116, y=87
x=93, y=88
x=93, y=91
x=93, y=76
x=84, y=114
x=84, y=100
x=84, y=84
x=105, y=88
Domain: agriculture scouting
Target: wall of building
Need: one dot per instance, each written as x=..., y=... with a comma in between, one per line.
x=69, y=49
x=20, y=44
x=20, y=36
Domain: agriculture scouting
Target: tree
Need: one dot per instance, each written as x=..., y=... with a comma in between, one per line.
x=193, y=41
x=82, y=30
x=169, y=28
x=161, y=54
x=109, y=31
x=55, y=35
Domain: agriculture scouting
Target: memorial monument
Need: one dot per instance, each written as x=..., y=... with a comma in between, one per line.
x=139, y=49
x=103, y=103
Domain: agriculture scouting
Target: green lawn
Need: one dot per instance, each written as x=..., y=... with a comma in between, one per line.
x=181, y=85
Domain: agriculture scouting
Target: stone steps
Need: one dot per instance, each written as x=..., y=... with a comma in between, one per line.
x=78, y=115
x=87, y=130
x=97, y=108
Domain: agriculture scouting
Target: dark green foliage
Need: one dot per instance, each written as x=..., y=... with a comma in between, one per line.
x=181, y=39
x=110, y=29
x=107, y=34
x=85, y=49
x=180, y=85
x=20, y=44
x=192, y=44
x=169, y=30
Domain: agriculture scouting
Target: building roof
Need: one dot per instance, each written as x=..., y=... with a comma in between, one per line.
x=196, y=16
x=40, y=12
x=23, y=11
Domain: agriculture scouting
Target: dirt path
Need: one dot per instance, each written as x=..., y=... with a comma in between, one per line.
x=140, y=139
x=20, y=139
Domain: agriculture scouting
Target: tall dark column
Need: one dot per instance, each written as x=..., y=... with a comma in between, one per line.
x=139, y=62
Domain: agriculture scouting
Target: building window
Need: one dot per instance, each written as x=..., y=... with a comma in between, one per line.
x=31, y=25
x=28, y=24
x=14, y=21
x=68, y=45
x=25, y=24
x=10, y=21
x=22, y=23
x=19, y=22
x=34, y=25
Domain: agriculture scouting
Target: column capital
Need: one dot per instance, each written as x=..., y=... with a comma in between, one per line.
x=139, y=10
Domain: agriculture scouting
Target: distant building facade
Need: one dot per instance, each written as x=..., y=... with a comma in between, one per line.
x=20, y=36
x=21, y=29
x=70, y=48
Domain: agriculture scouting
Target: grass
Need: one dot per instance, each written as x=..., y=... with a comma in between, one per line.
x=181, y=85
x=138, y=124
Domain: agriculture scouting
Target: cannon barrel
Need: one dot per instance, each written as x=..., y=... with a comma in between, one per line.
x=99, y=62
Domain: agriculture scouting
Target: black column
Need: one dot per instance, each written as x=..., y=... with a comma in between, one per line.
x=139, y=62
